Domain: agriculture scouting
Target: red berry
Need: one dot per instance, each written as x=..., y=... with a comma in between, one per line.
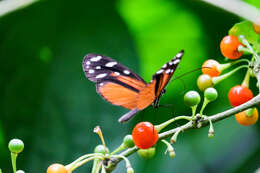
x=211, y=68
x=239, y=95
x=228, y=47
x=57, y=168
x=144, y=135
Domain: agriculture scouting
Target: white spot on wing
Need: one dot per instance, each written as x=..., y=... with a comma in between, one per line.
x=168, y=71
x=179, y=55
x=101, y=84
x=87, y=66
x=98, y=67
x=101, y=75
x=95, y=59
x=160, y=71
x=88, y=62
x=117, y=73
x=91, y=71
x=110, y=64
x=176, y=61
x=170, y=63
x=164, y=66
x=126, y=71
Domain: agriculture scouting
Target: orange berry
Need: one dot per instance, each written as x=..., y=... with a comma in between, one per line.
x=246, y=119
x=210, y=67
x=228, y=47
x=257, y=27
x=57, y=168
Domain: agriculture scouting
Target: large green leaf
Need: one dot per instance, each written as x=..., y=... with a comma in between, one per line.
x=245, y=28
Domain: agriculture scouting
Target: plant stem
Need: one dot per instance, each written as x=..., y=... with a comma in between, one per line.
x=120, y=148
x=74, y=163
x=13, y=158
x=229, y=64
x=193, y=109
x=165, y=124
x=96, y=167
x=245, y=82
x=218, y=79
x=78, y=164
x=206, y=101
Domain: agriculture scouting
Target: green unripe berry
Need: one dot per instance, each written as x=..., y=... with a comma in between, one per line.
x=101, y=149
x=146, y=153
x=20, y=171
x=211, y=94
x=16, y=146
x=204, y=81
x=128, y=141
x=192, y=98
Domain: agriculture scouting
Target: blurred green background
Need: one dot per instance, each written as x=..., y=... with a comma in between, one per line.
x=47, y=101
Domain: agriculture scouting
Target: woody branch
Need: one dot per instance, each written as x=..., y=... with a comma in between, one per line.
x=200, y=122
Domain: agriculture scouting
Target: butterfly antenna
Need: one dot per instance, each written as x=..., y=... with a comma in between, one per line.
x=166, y=106
x=189, y=72
x=184, y=74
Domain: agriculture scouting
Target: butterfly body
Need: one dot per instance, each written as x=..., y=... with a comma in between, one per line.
x=120, y=86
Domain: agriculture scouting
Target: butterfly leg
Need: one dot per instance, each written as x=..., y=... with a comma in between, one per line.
x=128, y=115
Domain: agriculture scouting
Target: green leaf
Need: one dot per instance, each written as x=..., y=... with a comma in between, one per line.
x=246, y=28
x=254, y=2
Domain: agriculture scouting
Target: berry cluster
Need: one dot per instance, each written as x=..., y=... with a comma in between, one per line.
x=232, y=48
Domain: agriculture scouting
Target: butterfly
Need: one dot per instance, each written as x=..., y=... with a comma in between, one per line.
x=120, y=86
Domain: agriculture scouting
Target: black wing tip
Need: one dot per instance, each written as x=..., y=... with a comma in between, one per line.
x=180, y=54
x=91, y=55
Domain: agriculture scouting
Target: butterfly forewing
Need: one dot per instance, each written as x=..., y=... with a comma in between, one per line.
x=115, y=83
x=163, y=76
x=98, y=67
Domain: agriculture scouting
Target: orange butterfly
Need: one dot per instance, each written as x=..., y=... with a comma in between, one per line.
x=120, y=86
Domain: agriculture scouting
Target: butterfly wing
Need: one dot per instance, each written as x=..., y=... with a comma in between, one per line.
x=162, y=77
x=115, y=83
